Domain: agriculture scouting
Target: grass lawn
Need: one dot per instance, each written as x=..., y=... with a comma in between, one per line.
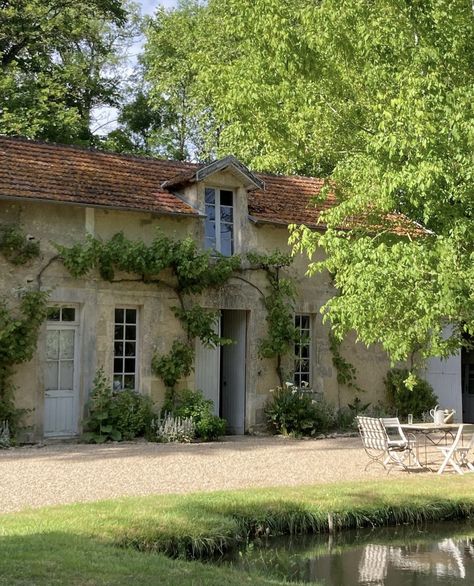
x=125, y=541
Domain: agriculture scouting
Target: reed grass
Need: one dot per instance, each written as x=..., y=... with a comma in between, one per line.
x=206, y=525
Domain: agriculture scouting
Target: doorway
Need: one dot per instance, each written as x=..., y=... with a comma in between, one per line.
x=61, y=394
x=221, y=371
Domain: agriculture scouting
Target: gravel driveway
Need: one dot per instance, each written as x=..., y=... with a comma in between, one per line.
x=66, y=473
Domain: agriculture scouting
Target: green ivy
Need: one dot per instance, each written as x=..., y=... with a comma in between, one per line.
x=201, y=323
x=19, y=324
x=279, y=304
x=346, y=372
x=19, y=329
x=15, y=246
x=194, y=271
x=175, y=365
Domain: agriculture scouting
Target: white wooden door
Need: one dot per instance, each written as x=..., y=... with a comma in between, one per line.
x=234, y=326
x=61, y=381
x=207, y=371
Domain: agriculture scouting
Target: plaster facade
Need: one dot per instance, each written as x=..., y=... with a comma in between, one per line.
x=96, y=301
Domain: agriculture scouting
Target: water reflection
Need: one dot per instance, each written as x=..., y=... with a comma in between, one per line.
x=442, y=559
x=438, y=554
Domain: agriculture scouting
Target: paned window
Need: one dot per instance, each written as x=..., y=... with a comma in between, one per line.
x=61, y=313
x=60, y=348
x=125, y=348
x=220, y=220
x=302, y=368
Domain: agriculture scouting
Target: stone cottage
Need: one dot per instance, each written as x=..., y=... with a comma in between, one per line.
x=59, y=194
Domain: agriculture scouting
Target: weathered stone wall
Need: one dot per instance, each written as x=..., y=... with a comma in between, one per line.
x=96, y=301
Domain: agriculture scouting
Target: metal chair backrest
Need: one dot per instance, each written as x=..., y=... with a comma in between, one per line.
x=393, y=423
x=372, y=432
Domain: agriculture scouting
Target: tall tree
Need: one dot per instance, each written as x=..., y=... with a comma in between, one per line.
x=168, y=115
x=379, y=98
x=57, y=61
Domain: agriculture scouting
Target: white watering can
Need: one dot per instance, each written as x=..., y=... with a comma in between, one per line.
x=441, y=416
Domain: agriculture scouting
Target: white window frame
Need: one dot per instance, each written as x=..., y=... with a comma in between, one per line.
x=60, y=325
x=298, y=357
x=136, y=387
x=217, y=219
x=61, y=306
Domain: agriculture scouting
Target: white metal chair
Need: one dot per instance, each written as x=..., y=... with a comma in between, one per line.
x=406, y=443
x=456, y=455
x=380, y=448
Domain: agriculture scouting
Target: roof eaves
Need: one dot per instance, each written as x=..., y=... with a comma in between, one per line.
x=181, y=198
x=192, y=214
x=230, y=161
x=214, y=167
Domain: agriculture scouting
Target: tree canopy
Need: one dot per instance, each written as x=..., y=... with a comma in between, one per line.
x=57, y=60
x=378, y=98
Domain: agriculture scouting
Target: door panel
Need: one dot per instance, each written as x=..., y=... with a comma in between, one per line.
x=233, y=364
x=61, y=388
x=208, y=371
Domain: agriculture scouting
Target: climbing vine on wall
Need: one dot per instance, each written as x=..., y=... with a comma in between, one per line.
x=346, y=372
x=15, y=246
x=279, y=304
x=20, y=323
x=193, y=271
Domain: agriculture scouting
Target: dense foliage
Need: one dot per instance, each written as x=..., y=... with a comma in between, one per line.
x=116, y=415
x=15, y=245
x=293, y=411
x=375, y=96
x=58, y=61
x=416, y=399
x=19, y=328
x=187, y=404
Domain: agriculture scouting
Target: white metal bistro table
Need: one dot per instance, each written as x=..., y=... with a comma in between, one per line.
x=434, y=434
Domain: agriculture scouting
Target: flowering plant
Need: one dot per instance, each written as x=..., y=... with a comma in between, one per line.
x=292, y=411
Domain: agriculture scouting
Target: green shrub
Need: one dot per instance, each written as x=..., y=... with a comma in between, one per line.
x=175, y=365
x=115, y=415
x=292, y=411
x=405, y=400
x=187, y=403
x=132, y=413
x=209, y=427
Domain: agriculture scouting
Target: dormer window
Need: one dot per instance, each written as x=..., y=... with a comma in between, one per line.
x=219, y=220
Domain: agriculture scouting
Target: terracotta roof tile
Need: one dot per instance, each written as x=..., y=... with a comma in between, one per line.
x=287, y=200
x=52, y=172
x=38, y=170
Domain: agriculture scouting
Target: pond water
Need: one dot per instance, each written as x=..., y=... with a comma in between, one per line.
x=422, y=556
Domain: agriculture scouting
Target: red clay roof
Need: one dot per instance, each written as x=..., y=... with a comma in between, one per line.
x=38, y=170
x=287, y=200
x=69, y=174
